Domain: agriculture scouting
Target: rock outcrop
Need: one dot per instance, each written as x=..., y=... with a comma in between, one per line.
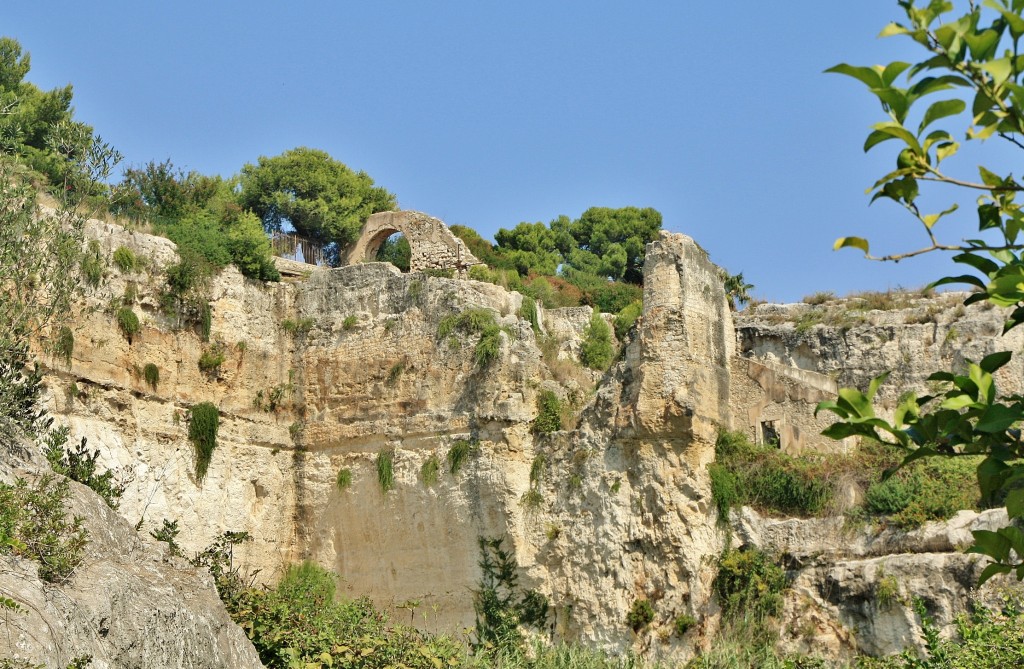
x=128, y=604
x=339, y=393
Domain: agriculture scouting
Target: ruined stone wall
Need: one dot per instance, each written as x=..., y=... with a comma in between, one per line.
x=431, y=243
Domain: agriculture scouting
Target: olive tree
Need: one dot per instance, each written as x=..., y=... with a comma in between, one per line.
x=966, y=87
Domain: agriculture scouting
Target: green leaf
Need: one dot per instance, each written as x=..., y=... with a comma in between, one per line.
x=1015, y=504
x=977, y=262
x=991, y=475
x=957, y=402
x=998, y=418
x=933, y=84
x=964, y=278
x=1013, y=21
x=993, y=570
x=895, y=100
x=857, y=402
x=989, y=177
x=983, y=44
x=945, y=150
x=855, y=242
x=893, y=29
x=991, y=544
x=876, y=138
x=869, y=76
x=931, y=219
x=990, y=363
x=875, y=384
x=899, y=132
x=941, y=109
x=893, y=70
x=1000, y=69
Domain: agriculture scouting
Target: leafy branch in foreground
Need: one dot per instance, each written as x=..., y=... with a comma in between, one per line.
x=975, y=54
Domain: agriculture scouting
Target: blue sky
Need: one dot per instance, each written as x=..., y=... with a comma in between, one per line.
x=487, y=114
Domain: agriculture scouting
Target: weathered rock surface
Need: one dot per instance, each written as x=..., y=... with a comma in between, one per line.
x=127, y=605
x=347, y=369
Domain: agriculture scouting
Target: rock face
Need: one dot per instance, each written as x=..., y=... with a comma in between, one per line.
x=343, y=396
x=127, y=605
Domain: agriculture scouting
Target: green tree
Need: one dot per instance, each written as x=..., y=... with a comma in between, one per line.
x=618, y=238
x=38, y=126
x=396, y=250
x=318, y=195
x=974, y=53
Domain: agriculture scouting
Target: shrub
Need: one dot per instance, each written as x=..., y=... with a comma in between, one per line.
x=396, y=372
x=64, y=344
x=386, y=469
x=205, y=321
x=640, y=615
x=124, y=259
x=151, y=373
x=626, y=319
x=764, y=477
x=128, y=322
x=211, y=360
x=501, y=605
x=683, y=624
x=344, y=478
x=928, y=489
x=596, y=349
x=34, y=524
x=204, y=420
x=470, y=321
x=528, y=312
x=92, y=265
x=819, y=298
x=168, y=533
x=297, y=327
x=302, y=623
x=460, y=452
x=489, y=346
x=429, y=470
x=887, y=591
x=78, y=464
x=549, y=413
x=349, y=322
x=749, y=584
x=131, y=293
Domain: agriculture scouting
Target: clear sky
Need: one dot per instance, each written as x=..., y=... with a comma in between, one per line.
x=490, y=113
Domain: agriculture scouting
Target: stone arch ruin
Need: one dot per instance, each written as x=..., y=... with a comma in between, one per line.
x=432, y=244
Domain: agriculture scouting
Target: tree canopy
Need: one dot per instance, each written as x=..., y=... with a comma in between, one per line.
x=596, y=259
x=38, y=126
x=319, y=196
x=971, y=58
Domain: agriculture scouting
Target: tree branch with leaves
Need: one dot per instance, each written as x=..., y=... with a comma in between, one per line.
x=975, y=56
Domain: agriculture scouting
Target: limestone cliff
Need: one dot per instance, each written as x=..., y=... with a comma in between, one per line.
x=328, y=382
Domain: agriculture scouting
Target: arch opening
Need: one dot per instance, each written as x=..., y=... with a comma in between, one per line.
x=394, y=249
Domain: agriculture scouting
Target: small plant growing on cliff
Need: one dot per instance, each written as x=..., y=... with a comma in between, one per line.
x=151, y=373
x=211, y=360
x=168, y=533
x=64, y=344
x=501, y=605
x=128, y=322
x=386, y=469
x=683, y=624
x=344, y=479
x=396, y=372
x=349, y=322
x=430, y=470
x=749, y=584
x=203, y=423
x=205, y=321
x=887, y=591
x=297, y=327
x=627, y=318
x=549, y=413
x=131, y=293
x=640, y=615
x=79, y=464
x=596, y=350
x=34, y=524
x=460, y=452
x=92, y=265
x=125, y=259
x=528, y=312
